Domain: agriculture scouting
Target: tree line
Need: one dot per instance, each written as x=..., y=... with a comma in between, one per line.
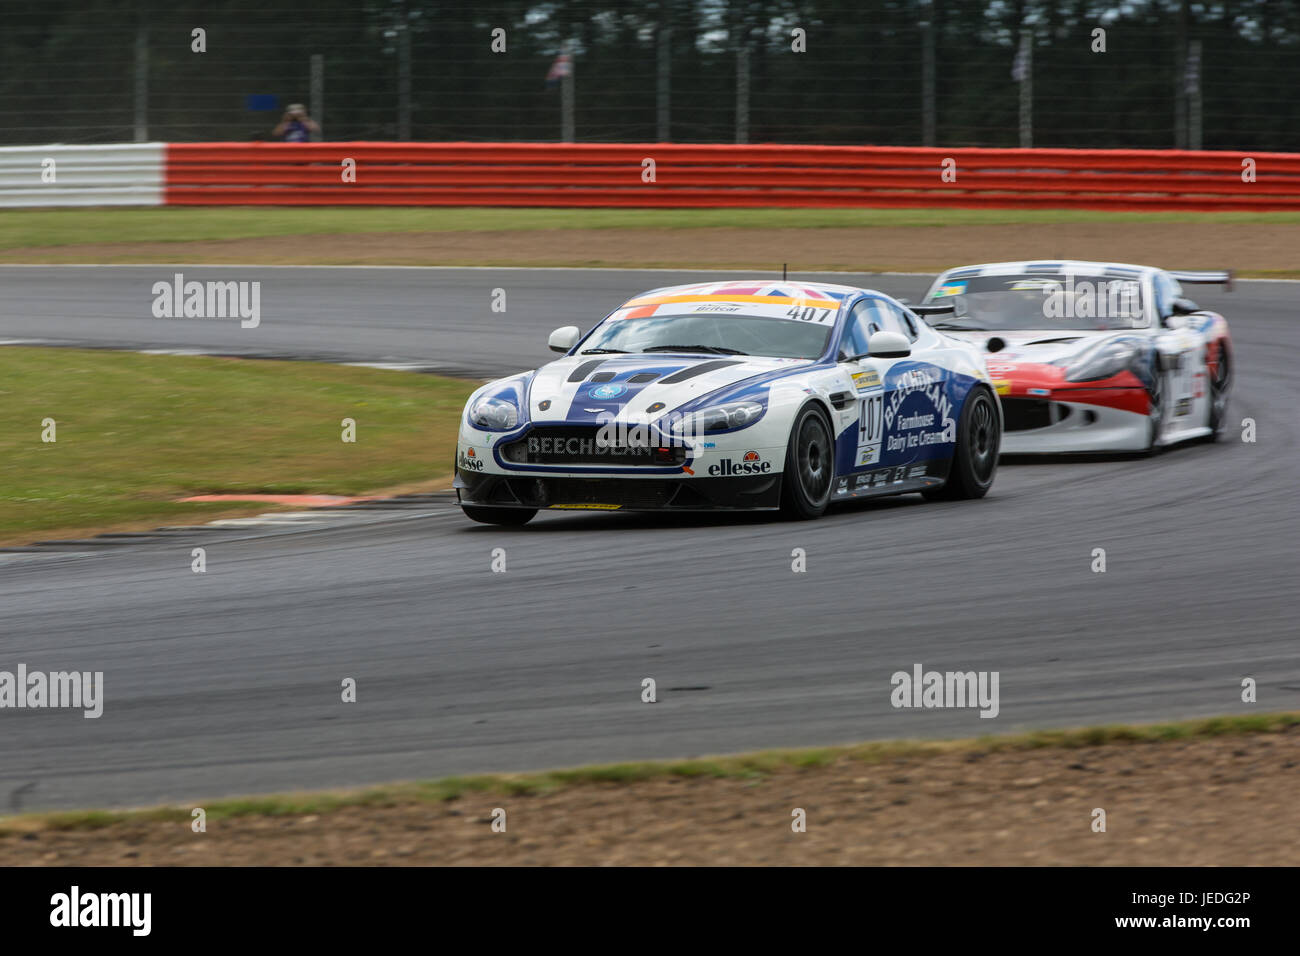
x=90, y=70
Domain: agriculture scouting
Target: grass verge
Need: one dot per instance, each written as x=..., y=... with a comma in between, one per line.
x=135, y=432
x=31, y=229
x=740, y=766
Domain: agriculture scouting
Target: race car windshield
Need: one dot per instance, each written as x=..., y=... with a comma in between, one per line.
x=1035, y=302
x=712, y=334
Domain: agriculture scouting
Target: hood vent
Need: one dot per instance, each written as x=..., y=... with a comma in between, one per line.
x=601, y=377
x=585, y=369
x=641, y=378
x=702, y=369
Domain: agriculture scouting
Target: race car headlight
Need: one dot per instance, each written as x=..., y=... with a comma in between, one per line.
x=494, y=414
x=1111, y=359
x=718, y=418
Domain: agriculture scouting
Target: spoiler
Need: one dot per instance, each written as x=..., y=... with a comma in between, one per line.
x=924, y=310
x=1205, y=278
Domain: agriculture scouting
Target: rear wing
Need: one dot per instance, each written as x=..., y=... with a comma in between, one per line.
x=1204, y=278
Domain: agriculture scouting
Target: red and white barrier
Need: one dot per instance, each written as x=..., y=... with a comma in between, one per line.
x=648, y=175
x=128, y=174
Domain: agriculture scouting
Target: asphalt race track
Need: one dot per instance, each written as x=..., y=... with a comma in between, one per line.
x=229, y=682
x=441, y=319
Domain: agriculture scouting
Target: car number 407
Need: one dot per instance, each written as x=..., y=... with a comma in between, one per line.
x=870, y=418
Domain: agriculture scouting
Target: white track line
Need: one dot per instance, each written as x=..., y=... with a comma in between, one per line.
x=249, y=265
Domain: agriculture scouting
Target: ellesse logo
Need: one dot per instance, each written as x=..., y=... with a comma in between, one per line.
x=750, y=464
x=470, y=461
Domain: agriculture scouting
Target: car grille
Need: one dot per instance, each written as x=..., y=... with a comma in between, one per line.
x=1023, y=414
x=577, y=445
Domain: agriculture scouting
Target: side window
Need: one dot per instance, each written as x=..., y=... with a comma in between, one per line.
x=899, y=320
x=865, y=318
x=1166, y=291
x=876, y=315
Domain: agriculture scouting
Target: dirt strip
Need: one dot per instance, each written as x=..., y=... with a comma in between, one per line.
x=1260, y=248
x=1200, y=801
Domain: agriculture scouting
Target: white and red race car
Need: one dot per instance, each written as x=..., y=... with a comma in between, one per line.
x=1091, y=357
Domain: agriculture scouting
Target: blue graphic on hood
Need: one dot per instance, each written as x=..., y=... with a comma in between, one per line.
x=595, y=402
x=754, y=388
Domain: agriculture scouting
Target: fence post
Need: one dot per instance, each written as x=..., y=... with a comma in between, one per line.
x=566, y=97
x=1194, y=95
x=742, y=92
x=1180, y=77
x=404, y=82
x=664, y=92
x=927, y=80
x=317, y=99
x=1024, y=72
x=141, y=85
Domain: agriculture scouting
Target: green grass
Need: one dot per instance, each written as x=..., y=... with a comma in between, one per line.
x=135, y=432
x=752, y=766
x=29, y=229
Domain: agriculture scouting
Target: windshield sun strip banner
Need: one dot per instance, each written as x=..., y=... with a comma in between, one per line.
x=830, y=304
x=794, y=310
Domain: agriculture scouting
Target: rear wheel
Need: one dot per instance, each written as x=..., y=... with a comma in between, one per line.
x=975, y=461
x=809, y=465
x=504, y=516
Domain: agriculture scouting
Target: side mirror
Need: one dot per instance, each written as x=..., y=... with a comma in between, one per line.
x=1183, y=307
x=888, y=345
x=563, y=339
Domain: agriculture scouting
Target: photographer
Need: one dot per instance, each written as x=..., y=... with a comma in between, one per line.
x=296, y=126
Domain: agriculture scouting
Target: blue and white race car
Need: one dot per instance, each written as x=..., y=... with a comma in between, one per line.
x=734, y=395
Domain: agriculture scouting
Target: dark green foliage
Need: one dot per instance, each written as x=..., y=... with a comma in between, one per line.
x=67, y=68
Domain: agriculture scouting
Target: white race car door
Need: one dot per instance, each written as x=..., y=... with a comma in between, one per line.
x=868, y=381
x=1181, y=365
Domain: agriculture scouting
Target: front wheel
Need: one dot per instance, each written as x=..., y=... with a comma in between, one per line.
x=503, y=516
x=1220, y=382
x=975, y=460
x=1155, y=410
x=809, y=465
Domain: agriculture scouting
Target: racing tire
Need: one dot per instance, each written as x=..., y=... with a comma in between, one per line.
x=975, y=460
x=809, y=465
x=503, y=516
x=1220, y=382
x=1156, y=413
